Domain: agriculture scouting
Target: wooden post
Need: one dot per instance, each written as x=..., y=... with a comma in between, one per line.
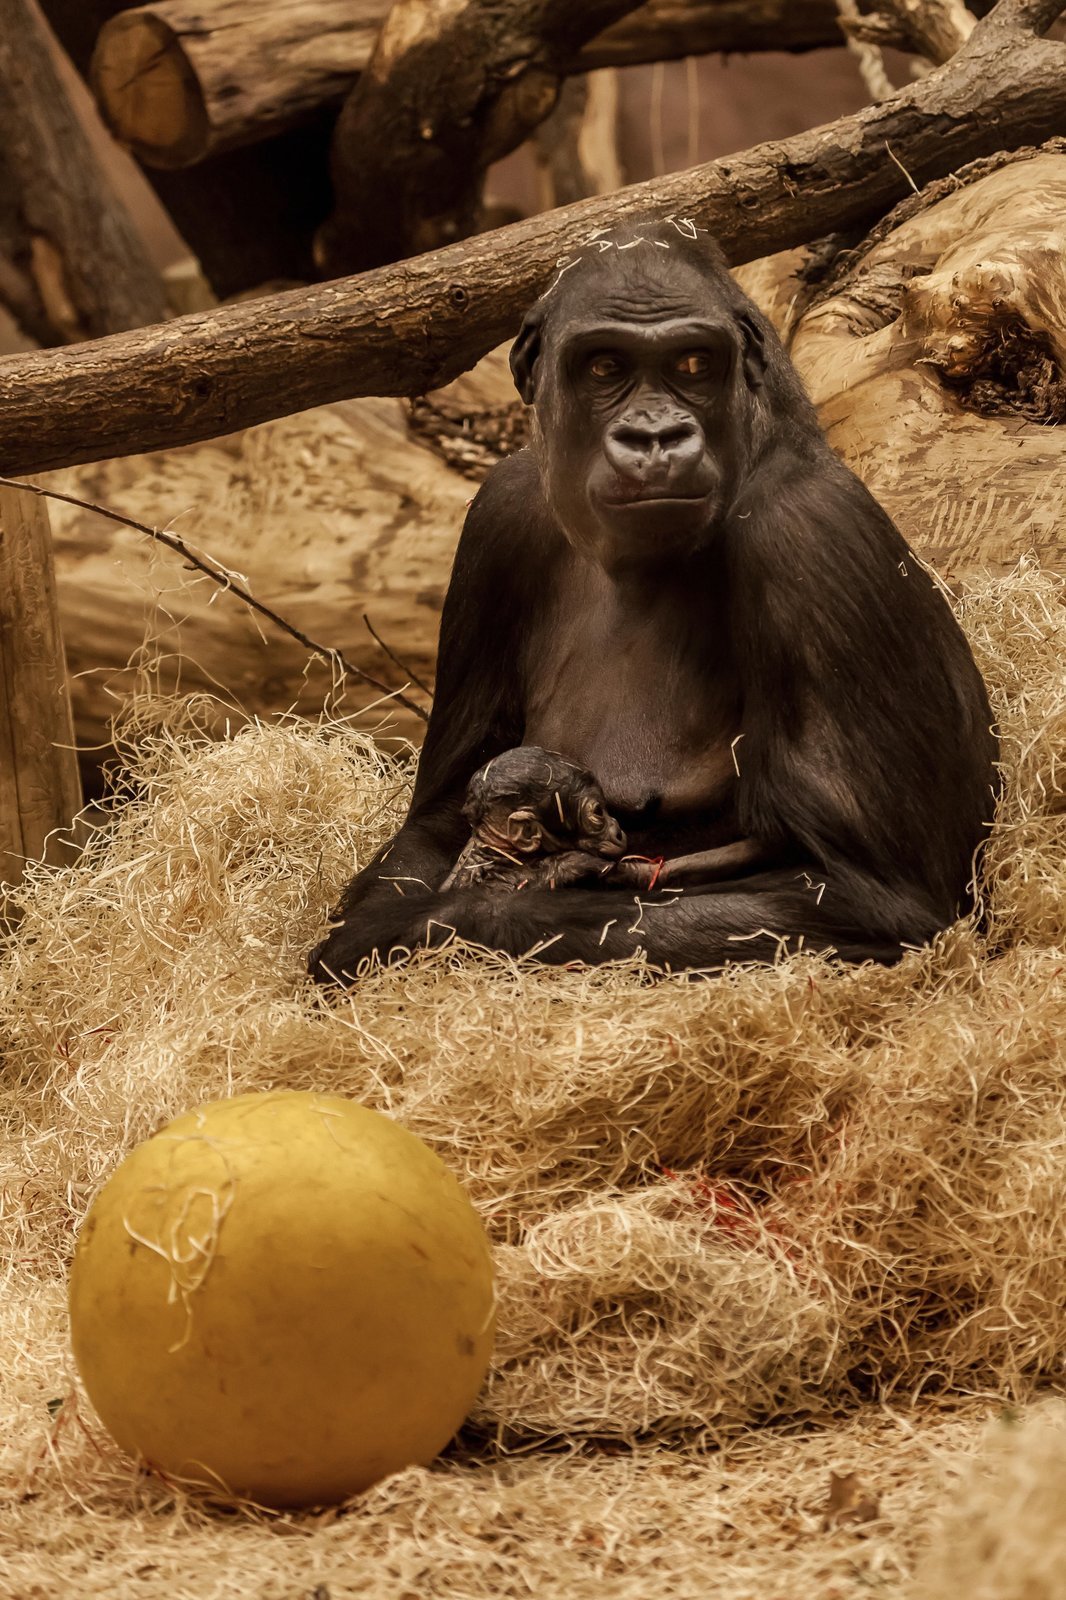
x=40, y=789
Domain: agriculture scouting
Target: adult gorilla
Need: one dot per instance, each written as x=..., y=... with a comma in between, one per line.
x=682, y=589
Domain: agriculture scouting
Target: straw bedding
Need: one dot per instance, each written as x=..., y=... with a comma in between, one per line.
x=792, y=1194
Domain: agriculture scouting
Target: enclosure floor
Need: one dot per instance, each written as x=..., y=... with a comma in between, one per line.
x=746, y=1523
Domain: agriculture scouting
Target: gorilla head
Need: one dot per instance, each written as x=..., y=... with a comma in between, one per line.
x=648, y=371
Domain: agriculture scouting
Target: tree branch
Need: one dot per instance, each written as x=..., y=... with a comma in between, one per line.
x=935, y=29
x=447, y=91
x=224, y=578
x=412, y=327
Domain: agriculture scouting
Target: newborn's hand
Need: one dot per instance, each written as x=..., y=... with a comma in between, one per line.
x=572, y=866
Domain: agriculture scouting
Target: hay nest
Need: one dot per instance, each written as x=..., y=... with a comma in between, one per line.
x=771, y=1196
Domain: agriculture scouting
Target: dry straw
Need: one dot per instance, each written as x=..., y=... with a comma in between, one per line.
x=781, y=1194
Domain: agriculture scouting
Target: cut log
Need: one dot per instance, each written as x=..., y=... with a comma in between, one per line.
x=40, y=789
x=938, y=366
x=73, y=264
x=179, y=80
x=410, y=328
x=248, y=215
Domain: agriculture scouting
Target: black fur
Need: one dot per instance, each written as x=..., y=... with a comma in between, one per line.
x=682, y=589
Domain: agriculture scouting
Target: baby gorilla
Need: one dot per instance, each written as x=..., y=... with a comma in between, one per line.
x=536, y=818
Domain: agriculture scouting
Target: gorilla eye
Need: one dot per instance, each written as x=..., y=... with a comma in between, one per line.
x=696, y=364
x=604, y=367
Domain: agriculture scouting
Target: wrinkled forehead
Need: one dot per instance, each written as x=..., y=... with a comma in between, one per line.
x=649, y=272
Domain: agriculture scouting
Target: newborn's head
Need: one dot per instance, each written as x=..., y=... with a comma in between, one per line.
x=533, y=802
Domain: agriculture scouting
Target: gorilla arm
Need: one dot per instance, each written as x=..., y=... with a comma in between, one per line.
x=475, y=716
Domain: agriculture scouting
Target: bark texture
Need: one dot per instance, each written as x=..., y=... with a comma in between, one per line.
x=409, y=328
x=177, y=81
x=938, y=366
x=249, y=216
x=452, y=86
x=39, y=785
x=72, y=265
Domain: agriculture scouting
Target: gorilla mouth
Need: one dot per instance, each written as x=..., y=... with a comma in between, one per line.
x=657, y=497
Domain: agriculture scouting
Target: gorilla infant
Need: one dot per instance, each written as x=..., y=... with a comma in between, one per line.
x=536, y=818
x=681, y=589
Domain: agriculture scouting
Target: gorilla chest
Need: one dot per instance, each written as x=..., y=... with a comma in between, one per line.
x=653, y=717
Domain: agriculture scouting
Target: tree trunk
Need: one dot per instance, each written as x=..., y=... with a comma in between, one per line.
x=39, y=786
x=249, y=216
x=409, y=328
x=177, y=81
x=447, y=91
x=74, y=265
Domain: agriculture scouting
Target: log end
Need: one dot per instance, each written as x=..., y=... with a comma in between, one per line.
x=147, y=91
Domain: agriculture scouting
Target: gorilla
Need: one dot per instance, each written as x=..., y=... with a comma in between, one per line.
x=680, y=588
x=535, y=818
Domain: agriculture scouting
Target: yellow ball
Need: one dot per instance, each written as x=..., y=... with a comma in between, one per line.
x=283, y=1295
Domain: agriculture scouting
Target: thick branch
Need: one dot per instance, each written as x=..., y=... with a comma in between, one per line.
x=177, y=83
x=935, y=28
x=409, y=328
x=667, y=30
x=447, y=91
x=74, y=265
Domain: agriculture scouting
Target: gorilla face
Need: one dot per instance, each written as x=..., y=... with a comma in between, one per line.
x=644, y=384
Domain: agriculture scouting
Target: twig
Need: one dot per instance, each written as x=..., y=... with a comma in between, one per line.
x=219, y=574
x=394, y=658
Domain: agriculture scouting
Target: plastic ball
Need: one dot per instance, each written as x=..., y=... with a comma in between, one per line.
x=284, y=1296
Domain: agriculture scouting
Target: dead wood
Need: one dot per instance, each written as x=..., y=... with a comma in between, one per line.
x=409, y=328
x=177, y=83
x=938, y=364
x=71, y=263
x=446, y=92
x=248, y=215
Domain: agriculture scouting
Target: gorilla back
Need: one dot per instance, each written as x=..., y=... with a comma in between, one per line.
x=682, y=589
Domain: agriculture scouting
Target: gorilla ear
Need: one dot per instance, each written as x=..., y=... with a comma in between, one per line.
x=753, y=340
x=524, y=353
x=524, y=830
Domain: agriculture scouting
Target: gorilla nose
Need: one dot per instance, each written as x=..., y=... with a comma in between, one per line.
x=652, y=450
